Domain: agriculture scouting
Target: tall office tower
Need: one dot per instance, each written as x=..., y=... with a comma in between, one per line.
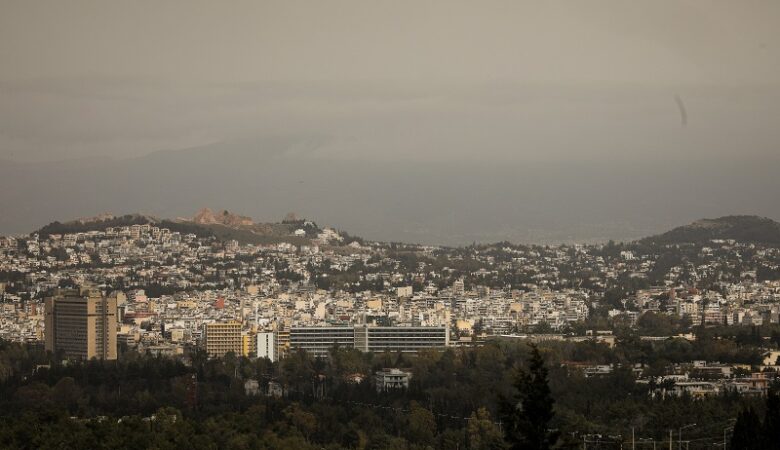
x=220, y=338
x=81, y=323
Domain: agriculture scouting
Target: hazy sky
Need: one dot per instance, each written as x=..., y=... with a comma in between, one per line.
x=429, y=79
x=417, y=41
x=512, y=82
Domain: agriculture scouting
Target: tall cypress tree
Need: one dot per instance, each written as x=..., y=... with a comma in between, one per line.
x=529, y=412
x=747, y=431
x=771, y=426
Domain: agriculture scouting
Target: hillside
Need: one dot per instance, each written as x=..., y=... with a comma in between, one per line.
x=222, y=225
x=750, y=229
x=95, y=223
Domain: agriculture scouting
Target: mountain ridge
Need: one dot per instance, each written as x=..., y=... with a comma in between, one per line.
x=227, y=225
x=448, y=202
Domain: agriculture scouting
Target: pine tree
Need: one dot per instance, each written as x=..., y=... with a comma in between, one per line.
x=529, y=412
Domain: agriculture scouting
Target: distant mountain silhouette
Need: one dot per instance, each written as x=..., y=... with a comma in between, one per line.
x=747, y=229
x=436, y=202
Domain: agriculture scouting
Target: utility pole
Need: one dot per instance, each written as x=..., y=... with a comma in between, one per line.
x=633, y=440
x=679, y=439
x=670, y=439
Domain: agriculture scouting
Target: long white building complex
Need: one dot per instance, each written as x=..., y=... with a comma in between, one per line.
x=318, y=341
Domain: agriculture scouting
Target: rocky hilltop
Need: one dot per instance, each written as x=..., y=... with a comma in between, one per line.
x=222, y=225
x=207, y=217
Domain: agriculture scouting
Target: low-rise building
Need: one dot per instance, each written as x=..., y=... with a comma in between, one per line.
x=389, y=379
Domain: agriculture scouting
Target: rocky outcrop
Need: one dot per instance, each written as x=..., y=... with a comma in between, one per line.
x=208, y=217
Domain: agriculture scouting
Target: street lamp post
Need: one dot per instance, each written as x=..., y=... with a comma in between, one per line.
x=679, y=434
x=725, y=433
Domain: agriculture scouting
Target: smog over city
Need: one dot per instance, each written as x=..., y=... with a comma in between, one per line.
x=389, y=224
x=441, y=122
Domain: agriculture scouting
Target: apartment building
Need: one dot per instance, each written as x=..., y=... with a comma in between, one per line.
x=266, y=345
x=282, y=337
x=220, y=338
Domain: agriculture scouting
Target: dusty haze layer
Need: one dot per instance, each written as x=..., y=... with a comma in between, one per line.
x=428, y=121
